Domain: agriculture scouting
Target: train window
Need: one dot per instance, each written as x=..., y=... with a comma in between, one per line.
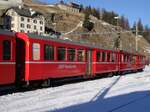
x=6, y=50
x=71, y=54
x=48, y=52
x=143, y=60
x=113, y=57
x=125, y=58
x=128, y=57
x=122, y=58
x=131, y=59
x=98, y=56
x=103, y=56
x=134, y=59
x=61, y=53
x=80, y=55
x=108, y=57
x=36, y=51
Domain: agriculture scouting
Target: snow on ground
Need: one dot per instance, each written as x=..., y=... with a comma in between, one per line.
x=128, y=93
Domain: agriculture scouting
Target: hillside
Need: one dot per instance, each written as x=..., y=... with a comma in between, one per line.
x=70, y=25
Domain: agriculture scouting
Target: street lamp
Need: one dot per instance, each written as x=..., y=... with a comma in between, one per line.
x=136, y=38
x=118, y=41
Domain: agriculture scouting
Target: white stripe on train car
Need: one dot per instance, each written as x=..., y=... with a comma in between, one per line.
x=7, y=63
x=104, y=62
x=32, y=62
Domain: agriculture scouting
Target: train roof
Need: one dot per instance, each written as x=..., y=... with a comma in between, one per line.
x=78, y=43
x=7, y=32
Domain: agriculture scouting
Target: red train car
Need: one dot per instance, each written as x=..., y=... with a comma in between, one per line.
x=7, y=58
x=36, y=58
x=131, y=61
x=107, y=61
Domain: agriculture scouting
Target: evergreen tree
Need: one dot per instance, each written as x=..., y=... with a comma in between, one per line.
x=87, y=24
x=146, y=33
x=140, y=27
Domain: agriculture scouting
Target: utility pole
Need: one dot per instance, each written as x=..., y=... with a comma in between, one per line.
x=119, y=43
x=136, y=38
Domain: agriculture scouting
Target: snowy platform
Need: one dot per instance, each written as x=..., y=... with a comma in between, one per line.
x=128, y=93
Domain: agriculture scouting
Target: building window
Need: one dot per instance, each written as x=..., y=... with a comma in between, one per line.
x=22, y=25
x=34, y=27
x=28, y=20
x=48, y=52
x=80, y=55
x=34, y=21
x=22, y=18
x=41, y=28
x=36, y=51
x=22, y=31
x=61, y=53
x=28, y=26
x=41, y=22
x=71, y=54
x=6, y=50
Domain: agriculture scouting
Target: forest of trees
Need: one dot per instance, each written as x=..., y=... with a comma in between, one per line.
x=108, y=16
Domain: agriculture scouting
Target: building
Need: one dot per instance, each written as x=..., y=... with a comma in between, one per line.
x=71, y=7
x=26, y=20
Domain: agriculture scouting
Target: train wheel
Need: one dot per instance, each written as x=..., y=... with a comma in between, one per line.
x=110, y=74
x=46, y=83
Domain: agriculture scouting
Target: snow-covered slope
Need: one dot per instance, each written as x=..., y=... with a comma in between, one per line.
x=129, y=93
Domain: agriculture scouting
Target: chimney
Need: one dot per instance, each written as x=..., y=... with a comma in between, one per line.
x=20, y=7
x=30, y=9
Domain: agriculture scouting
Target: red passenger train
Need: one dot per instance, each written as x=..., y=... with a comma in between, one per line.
x=25, y=58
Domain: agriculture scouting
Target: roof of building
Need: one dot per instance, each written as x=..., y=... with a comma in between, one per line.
x=27, y=12
x=73, y=5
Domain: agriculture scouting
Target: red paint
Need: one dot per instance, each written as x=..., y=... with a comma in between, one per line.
x=41, y=69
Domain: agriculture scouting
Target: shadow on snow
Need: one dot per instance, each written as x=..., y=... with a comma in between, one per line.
x=121, y=103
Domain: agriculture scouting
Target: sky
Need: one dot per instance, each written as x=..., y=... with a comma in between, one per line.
x=131, y=9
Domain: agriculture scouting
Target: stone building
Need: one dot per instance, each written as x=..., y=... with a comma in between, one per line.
x=71, y=7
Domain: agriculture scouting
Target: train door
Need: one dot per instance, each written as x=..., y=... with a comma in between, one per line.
x=20, y=60
x=89, y=63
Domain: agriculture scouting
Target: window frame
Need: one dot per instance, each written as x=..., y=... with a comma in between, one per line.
x=64, y=54
x=22, y=19
x=22, y=25
x=36, y=58
x=104, y=56
x=108, y=56
x=83, y=55
x=75, y=57
x=98, y=56
x=10, y=51
x=50, y=57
